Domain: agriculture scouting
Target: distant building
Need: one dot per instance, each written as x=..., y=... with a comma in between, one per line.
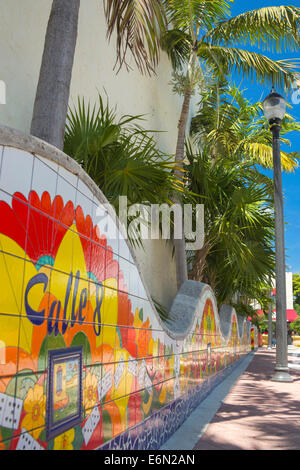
x=291, y=313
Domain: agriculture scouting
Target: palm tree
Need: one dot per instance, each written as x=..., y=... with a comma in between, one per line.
x=234, y=127
x=234, y=142
x=138, y=25
x=53, y=89
x=201, y=30
x=237, y=256
x=121, y=157
x=123, y=160
x=202, y=36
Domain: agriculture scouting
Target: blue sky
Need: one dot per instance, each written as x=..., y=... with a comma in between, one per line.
x=291, y=182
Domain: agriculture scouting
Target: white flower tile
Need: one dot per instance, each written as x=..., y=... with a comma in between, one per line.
x=1, y=155
x=123, y=247
x=66, y=190
x=68, y=176
x=135, y=280
x=107, y=227
x=124, y=266
x=16, y=171
x=85, y=203
x=54, y=166
x=82, y=187
x=112, y=236
x=5, y=197
x=44, y=179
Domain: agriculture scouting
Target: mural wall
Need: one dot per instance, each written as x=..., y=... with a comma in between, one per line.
x=85, y=362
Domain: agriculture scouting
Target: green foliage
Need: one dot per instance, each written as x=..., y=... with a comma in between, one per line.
x=263, y=324
x=206, y=28
x=271, y=28
x=162, y=311
x=177, y=44
x=244, y=310
x=231, y=125
x=120, y=156
x=203, y=37
x=296, y=288
x=239, y=228
x=138, y=26
x=295, y=325
x=296, y=292
x=297, y=308
x=237, y=257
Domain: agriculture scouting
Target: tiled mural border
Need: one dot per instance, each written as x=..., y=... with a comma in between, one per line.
x=177, y=327
x=173, y=344
x=155, y=430
x=16, y=139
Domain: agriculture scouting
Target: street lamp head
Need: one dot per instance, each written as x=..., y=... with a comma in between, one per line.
x=274, y=107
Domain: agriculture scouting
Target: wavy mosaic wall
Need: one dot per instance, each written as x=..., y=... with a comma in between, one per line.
x=85, y=361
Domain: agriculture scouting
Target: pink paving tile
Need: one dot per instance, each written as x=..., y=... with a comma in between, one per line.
x=257, y=414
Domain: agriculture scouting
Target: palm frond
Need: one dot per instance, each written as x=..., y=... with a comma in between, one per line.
x=138, y=25
x=235, y=129
x=190, y=15
x=251, y=65
x=239, y=226
x=177, y=45
x=262, y=154
x=121, y=157
x=88, y=129
x=271, y=28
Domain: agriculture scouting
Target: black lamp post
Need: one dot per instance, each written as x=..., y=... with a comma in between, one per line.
x=274, y=110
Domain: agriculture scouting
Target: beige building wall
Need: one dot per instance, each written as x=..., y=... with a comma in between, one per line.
x=22, y=30
x=289, y=292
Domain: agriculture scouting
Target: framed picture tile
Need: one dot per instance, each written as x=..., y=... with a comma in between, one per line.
x=64, y=390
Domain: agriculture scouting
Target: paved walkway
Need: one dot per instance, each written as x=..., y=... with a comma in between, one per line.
x=247, y=411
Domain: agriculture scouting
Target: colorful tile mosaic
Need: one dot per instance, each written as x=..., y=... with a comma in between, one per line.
x=67, y=285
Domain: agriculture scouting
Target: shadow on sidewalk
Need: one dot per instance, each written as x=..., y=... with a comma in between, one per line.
x=257, y=413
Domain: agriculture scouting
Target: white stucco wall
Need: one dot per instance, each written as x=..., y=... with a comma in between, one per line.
x=22, y=30
x=289, y=291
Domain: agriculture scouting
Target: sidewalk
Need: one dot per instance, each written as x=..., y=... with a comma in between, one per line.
x=248, y=411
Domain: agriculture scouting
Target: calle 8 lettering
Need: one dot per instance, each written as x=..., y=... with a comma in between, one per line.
x=57, y=319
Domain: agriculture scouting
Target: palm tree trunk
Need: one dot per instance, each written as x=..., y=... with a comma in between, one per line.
x=182, y=125
x=196, y=272
x=179, y=244
x=53, y=90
